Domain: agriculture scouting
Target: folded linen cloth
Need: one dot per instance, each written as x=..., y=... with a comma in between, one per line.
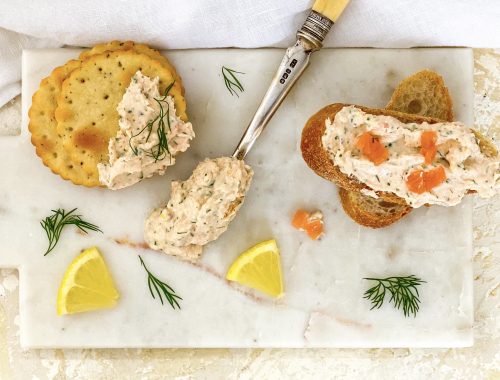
x=178, y=24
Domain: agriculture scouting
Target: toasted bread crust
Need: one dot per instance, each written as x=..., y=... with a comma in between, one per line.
x=317, y=157
x=423, y=93
x=371, y=212
x=487, y=146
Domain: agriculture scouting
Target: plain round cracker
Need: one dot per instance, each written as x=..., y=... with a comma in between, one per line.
x=86, y=114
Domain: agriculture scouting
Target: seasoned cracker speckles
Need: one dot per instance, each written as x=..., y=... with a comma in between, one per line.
x=81, y=97
x=86, y=114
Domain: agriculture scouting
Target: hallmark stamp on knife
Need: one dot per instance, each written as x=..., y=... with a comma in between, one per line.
x=288, y=71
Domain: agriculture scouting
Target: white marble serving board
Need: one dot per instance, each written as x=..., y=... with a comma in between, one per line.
x=323, y=305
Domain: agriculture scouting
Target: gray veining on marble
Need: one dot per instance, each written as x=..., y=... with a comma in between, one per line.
x=323, y=305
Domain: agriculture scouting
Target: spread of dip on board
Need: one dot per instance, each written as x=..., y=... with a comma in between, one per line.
x=150, y=135
x=394, y=159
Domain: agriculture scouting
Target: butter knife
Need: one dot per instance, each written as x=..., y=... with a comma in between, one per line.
x=310, y=38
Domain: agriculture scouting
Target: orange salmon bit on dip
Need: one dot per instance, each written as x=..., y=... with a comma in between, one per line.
x=372, y=148
x=428, y=147
x=312, y=224
x=420, y=181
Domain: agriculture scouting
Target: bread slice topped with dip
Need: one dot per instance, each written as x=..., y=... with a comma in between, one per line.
x=398, y=157
x=113, y=117
x=423, y=93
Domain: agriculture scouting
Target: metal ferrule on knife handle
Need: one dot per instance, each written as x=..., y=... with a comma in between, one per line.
x=309, y=39
x=314, y=30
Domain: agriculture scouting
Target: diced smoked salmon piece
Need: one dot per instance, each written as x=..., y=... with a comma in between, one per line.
x=415, y=182
x=315, y=229
x=428, y=146
x=420, y=181
x=300, y=219
x=434, y=178
x=312, y=224
x=372, y=148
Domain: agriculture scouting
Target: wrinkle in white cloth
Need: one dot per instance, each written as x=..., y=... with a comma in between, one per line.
x=179, y=24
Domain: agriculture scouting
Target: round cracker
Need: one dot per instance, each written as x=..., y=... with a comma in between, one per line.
x=131, y=45
x=105, y=47
x=43, y=125
x=86, y=114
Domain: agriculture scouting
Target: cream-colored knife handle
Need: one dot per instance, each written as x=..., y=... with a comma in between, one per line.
x=310, y=38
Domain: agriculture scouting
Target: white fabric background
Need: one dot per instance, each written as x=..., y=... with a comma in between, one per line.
x=177, y=24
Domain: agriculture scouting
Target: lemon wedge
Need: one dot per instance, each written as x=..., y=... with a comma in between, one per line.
x=86, y=285
x=259, y=268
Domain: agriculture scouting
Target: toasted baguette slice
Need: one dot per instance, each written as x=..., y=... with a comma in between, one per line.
x=423, y=93
x=487, y=146
x=369, y=211
x=318, y=159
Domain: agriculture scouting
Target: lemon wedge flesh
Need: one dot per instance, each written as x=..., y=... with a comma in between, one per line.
x=86, y=285
x=259, y=268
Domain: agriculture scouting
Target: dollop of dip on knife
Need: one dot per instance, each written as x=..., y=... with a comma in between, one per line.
x=200, y=208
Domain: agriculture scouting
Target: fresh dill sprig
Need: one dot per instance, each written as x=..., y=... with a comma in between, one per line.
x=403, y=290
x=54, y=224
x=160, y=287
x=160, y=150
x=232, y=83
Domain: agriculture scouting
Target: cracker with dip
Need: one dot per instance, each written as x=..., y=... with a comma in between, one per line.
x=76, y=125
